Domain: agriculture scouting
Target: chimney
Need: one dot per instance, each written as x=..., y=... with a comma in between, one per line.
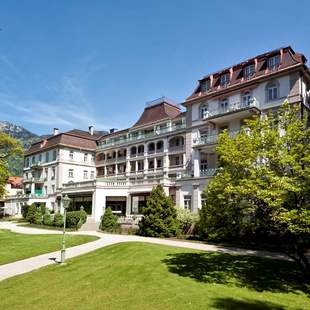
x=91, y=130
x=113, y=130
x=56, y=131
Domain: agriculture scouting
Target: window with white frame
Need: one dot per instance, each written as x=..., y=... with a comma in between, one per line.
x=85, y=157
x=204, y=111
x=53, y=173
x=249, y=71
x=71, y=155
x=54, y=155
x=92, y=175
x=205, y=86
x=272, y=91
x=224, y=80
x=85, y=174
x=93, y=158
x=247, y=98
x=47, y=157
x=71, y=173
x=273, y=62
x=223, y=105
x=203, y=165
x=188, y=202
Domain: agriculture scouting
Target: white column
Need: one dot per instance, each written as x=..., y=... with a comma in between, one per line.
x=196, y=199
x=128, y=205
x=116, y=169
x=105, y=170
x=178, y=198
x=184, y=160
x=136, y=165
x=196, y=160
x=32, y=188
x=146, y=165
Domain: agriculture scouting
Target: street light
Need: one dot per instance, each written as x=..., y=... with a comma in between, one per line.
x=66, y=203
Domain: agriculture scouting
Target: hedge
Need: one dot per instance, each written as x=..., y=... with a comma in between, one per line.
x=75, y=219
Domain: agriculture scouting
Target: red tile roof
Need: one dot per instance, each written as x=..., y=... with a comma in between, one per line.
x=289, y=59
x=158, y=112
x=15, y=181
x=74, y=138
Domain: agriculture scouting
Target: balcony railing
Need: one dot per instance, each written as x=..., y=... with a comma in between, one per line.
x=212, y=139
x=79, y=184
x=139, y=137
x=203, y=173
x=233, y=107
x=208, y=172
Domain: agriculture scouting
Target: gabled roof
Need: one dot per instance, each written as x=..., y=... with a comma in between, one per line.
x=160, y=109
x=74, y=138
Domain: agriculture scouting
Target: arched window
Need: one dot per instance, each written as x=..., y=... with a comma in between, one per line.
x=151, y=148
x=159, y=145
x=272, y=91
x=133, y=151
x=204, y=111
x=140, y=149
x=247, y=99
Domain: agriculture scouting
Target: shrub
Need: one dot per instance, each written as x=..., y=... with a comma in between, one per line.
x=76, y=219
x=43, y=208
x=159, y=216
x=38, y=218
x=47, y=219
x=187, y=220
x=109, y=221
x=31, y=214
x=24, y=210
x=58, y=220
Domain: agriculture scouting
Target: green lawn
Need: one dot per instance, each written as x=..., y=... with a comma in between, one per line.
x=15, y=246
x=146, y=276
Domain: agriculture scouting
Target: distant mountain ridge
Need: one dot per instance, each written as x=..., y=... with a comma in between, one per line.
x=26, y=138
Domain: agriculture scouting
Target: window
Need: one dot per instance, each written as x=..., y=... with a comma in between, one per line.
x=204, y=111
x=45, y=189
x=92, y=175
x=71, y=155
x=205, y=86
x=53, y=173
x=203, y=165
x=85, y=157
x=159, y=163
x=71, y=173
x=40, y=158
x=272, y=91
x=33, y=159
x=247, y=99
x=85, y=174
x=27, y=162
x=46, y=173
x=177, y=161
x=47, y=157
x=53, y=189
x=54, y=155
x=223, y=105
x=188, y=202
x=92, y=158
x=224, y=80
x=273, y=63
x=248, y=71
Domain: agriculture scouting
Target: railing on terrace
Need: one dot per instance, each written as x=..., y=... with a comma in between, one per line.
x=208, y=172
x=212, y=139
x=203, y=173
x=79, y=184
x=138, y=137
x=176, y=148
x=233, y=107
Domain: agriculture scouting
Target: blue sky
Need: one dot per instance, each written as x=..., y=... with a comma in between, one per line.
x=70, y=64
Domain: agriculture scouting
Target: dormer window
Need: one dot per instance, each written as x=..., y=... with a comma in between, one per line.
x=249, y=71
x=224, y=80
x=273, y=62
x=205, y=86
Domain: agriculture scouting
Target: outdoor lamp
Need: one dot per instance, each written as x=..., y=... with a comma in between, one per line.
x=66, y=203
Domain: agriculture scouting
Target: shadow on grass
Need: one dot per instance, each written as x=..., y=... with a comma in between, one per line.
x=245, y=304
x=255, y=273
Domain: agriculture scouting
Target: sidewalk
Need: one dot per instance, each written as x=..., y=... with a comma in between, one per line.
x=33, y=263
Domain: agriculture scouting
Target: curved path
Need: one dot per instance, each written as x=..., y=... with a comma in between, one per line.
x=29, y=264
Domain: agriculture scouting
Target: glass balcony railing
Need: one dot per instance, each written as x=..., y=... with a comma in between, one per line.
x=212, y=139
x=140, y=137
x=232, y=107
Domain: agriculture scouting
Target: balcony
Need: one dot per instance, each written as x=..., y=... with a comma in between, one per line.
x=210, y=172
x=140, y=137
x=212, y=139
x=79, y=184
x=176, y=148
x=206, y=173
x=233, y=110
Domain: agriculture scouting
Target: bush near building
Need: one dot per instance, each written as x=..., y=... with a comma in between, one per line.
x=187, y=221
x=24, y=211
x=75, y=219
x=58, y=220
x=47, y=219
x=109, y=221
x=31, y=213
x=159, y=216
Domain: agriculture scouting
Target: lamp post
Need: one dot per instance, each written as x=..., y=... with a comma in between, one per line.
x=65, y=202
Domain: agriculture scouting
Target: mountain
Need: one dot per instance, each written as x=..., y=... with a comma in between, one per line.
x=25, y=137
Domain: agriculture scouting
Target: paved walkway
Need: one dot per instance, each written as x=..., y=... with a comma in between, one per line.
x=33, y=263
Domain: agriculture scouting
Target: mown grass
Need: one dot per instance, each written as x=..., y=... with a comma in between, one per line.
x=14, y=246
x=146, y=276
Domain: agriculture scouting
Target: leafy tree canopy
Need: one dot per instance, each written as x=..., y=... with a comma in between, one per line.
x=262, y=188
